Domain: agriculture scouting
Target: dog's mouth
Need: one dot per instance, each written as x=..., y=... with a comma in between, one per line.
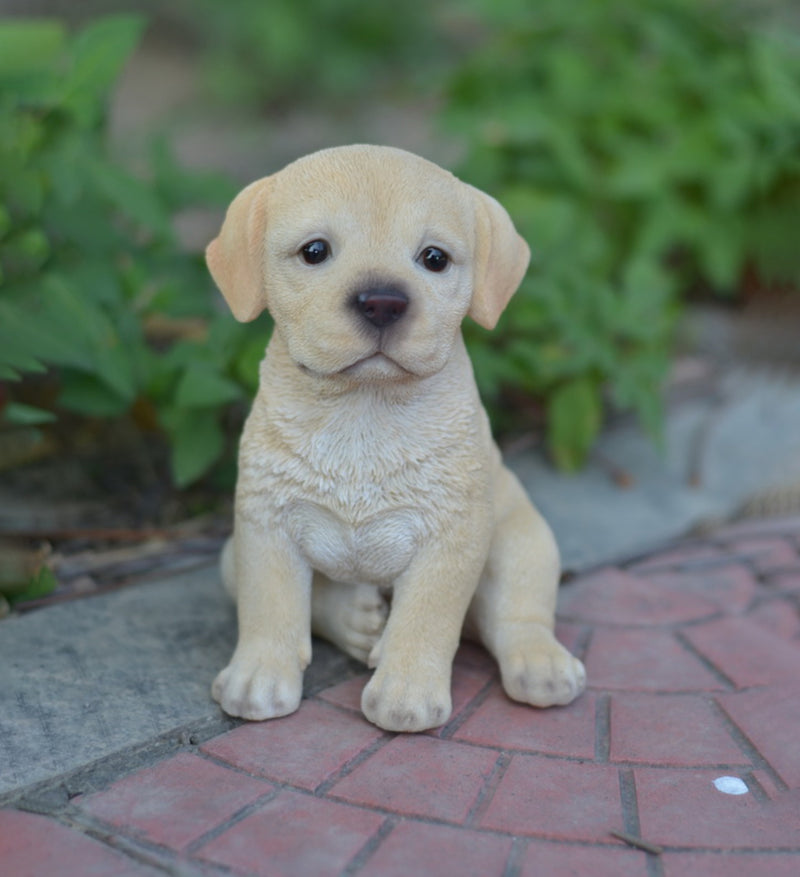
x=376, y=365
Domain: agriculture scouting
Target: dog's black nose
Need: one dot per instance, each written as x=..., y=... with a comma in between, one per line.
x=382, y=306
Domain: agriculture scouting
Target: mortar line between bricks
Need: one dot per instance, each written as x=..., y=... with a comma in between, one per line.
x=682, y=768
x=519, y=846
x=775, y=571
x=602, y=728
x=235, y=768
x=485, y=795
x=630, y=562
x=749, y=749
x=629, y=801
x=690, y=566
x=111, y=836
x=369, y=849
x=708, y=664
x=630, y=817
x=752, y=567
x=713, y=615
x=654, y=865
x=583, y=641
x=458, y=720
x=512, y=750
x=337, y=707
x=232, y=820
x=752, y=783
x=349, y=766
x=734, y=851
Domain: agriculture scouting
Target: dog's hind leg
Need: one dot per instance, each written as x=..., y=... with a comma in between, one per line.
x=352, y=617
x=513, y=610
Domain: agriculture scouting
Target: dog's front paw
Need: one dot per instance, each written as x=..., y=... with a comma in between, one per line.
x=256, y=687
x=541, y=672
x=395, y=703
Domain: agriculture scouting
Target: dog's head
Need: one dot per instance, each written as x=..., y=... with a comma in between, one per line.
x=368, y=259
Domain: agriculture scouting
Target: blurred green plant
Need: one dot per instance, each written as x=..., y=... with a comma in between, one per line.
x=24, y=574
x=643, y=149
x=287, y=52
x=94, y=288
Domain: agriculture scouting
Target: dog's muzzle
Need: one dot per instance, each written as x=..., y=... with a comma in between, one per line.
x=381, y=305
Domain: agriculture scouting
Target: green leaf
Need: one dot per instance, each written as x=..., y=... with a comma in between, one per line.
x=16, y=352
x=131, y=196
x=99, y=52
x=26, y=415
x=41, y=584
x=248, y=356
x=197, y=443
x=90, y=395
x=720, y=253
x=29, y=45
x=574, y=416
x=201, y=386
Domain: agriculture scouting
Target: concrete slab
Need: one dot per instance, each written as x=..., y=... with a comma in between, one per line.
x=719, y=450
x=82, y=680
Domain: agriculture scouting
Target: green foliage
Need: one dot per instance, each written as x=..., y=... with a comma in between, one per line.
x=284, y=51
x=89, y=258
x=40, y=584
x=643, y=149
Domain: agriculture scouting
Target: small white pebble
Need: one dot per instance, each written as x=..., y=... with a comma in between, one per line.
x=731, y=786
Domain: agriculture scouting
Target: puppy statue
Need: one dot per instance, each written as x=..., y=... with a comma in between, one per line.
x=366, y=466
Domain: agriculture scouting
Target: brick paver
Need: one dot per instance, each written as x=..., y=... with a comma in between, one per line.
x=647, y=660
x=33, y=845
x=295, y=835
x=279, y=750
x=741, y=864
x=563, y=800
x=770, y=719
x=679, y=731
x=545, y=859
x=420, y=776
x=501, y=723
x=174, y=802
x=685, y=809
x=437, y=851
x=693, y=656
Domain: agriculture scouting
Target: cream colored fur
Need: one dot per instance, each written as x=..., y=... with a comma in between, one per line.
x=367, y=466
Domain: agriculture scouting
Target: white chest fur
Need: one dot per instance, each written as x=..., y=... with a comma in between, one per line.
x=358, y=485
x=375, y=550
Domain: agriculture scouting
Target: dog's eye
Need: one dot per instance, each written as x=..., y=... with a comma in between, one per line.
x=434, y=259
x=315, y=252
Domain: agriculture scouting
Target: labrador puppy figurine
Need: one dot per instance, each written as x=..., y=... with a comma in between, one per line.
x=367, y=466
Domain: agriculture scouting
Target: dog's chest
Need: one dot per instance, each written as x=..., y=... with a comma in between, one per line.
x=375, y=550
x=360, y=493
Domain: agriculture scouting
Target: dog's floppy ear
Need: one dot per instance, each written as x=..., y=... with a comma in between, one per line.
x=235, y=257
x=501, y=259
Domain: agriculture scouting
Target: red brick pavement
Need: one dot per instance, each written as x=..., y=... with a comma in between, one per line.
x=693, y=656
